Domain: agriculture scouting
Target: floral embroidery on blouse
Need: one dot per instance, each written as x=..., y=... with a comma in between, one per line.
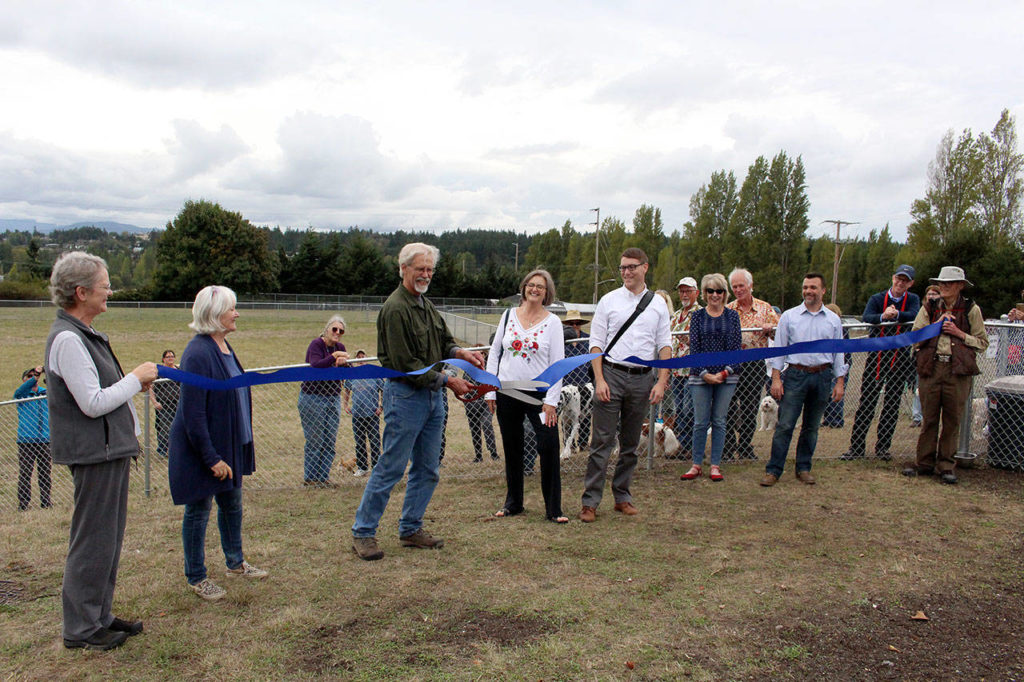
x=524, y=343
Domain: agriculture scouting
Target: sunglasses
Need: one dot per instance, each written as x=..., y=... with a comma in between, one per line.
x=338, y=330
x=714, y=291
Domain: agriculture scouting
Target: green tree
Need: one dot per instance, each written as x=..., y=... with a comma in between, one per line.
x=648, y=233
x=712, y=209
x=1000, y=186
x=206, y=244
x=950, y=201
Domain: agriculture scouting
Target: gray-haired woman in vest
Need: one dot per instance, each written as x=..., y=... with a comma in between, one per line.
x=93, y=430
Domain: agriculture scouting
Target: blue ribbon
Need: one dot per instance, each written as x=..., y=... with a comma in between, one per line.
x=557, y=370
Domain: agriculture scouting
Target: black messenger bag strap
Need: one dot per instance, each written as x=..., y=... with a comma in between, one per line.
x=640, y=307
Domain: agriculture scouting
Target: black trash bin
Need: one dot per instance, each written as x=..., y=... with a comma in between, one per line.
x=1006, y=423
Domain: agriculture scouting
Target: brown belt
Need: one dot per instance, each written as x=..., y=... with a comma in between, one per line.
x=811, y=369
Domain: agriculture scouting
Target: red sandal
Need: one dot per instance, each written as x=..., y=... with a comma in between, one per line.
x=716, y=474
x=693, y=473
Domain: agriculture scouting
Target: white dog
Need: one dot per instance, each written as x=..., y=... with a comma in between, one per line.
x=571, y=410
x=665, y=442
x=767, y=414
x=979, y=418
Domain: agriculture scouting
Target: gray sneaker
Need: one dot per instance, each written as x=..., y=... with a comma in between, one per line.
x=366, y=548
x=421, y=539
x=208, y=590
x=246, y=570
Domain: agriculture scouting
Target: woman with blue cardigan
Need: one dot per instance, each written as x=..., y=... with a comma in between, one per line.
x=211, y=444
x=713, y=329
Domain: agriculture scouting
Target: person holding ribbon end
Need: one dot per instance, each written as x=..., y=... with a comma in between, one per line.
x=713, y=329
x=94, y=430
x=411, y=335
x=212, y=445
x=629, y=321
x=807, y=387
x=531, y=340
x=945, y=366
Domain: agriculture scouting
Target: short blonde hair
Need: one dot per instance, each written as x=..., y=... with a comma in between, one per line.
x=72, y=270
x=327, y=327
x=409, y=252
x=211, y=302
x=549, y=293
x=715, y=280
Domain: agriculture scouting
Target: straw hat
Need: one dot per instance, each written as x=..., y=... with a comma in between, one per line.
x=573, y=316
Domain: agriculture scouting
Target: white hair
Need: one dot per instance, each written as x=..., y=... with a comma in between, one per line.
x=211, y=302
x=330, y=323
x=72, y=270
x=410, y=251
x=746, y=275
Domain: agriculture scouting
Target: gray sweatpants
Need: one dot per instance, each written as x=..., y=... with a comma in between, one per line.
x=97, y=530
x=624, y=413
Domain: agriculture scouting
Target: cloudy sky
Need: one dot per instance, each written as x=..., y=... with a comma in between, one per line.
x=437, y=115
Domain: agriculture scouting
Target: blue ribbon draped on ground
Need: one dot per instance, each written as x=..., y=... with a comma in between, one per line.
x=559, y=369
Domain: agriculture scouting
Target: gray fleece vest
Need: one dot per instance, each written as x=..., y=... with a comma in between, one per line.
x=74, y=437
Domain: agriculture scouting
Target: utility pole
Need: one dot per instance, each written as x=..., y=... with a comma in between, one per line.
x=836, y=258
x=597, y=234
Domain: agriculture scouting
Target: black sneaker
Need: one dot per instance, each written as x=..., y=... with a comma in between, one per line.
x=884, y=456
x=132, y=627
x=949, y=478
x=103, y=639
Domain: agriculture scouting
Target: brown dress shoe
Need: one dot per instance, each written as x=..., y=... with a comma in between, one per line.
x=805, y=477
x=626, y=508
x=588, y=514
x=769, y=480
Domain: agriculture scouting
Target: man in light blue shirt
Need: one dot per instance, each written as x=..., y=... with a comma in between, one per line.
x=807, y=386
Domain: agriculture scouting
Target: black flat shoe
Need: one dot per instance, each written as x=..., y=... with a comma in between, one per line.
x=103, y=639
x=132, y=627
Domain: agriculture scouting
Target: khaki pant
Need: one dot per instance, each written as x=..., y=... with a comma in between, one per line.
x=943, y=395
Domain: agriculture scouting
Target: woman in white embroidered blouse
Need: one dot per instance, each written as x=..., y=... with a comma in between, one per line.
x=529, y=339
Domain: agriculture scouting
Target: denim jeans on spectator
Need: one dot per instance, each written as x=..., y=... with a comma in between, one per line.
x=682, y=400
x=413, y=419
x=804, y=392
x=193, y=532
x=710, y=407
x=320, y=415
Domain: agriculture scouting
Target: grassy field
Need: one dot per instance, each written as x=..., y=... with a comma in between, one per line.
x=710, y=581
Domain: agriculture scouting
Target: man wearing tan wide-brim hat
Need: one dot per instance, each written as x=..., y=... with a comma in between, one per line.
x=572, y=328
x=945, y=365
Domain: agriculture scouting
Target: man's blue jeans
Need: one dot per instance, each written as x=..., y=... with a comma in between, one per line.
x=710, y=407
x=320, y=415
x=802, y=392
x=413, y=420
x=193, y=532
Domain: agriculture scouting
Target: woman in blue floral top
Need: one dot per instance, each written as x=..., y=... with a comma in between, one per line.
x=713, y=329
x=529, y=339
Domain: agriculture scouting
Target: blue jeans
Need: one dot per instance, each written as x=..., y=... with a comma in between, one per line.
x=710, y=407
x=802, y=392
x=320, y=415
x=413, y=420
x=193, y=532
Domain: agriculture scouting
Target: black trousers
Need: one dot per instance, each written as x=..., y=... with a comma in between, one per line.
x=742, y=420
x=894, y=376
x=511, y=413
x=481, y=428
x=366, y=430
x=33, y=455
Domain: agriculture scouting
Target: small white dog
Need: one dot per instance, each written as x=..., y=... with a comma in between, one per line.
x=979, y=418
x=569, y=418
x=665, y=442
x=767, y=414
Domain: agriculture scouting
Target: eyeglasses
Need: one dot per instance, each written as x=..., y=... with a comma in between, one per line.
x=629, y=268
x=714, y=291
x=337, y=330
x=538, y=287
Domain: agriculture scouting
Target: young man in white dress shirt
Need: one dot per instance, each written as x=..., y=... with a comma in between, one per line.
x=807, y=387
x=624, y=391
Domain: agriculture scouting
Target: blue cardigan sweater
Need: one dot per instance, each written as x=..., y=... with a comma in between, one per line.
x=207, y=428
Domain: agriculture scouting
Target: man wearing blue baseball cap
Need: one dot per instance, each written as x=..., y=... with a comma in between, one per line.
x=893, y=369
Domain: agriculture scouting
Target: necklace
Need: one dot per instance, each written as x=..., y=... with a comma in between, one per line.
x=529, y=318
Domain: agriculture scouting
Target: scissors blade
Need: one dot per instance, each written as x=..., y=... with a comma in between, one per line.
x=526, y=385
x=518, y=395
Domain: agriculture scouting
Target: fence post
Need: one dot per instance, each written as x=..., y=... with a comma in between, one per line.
x=650, y=436
x=145, y=441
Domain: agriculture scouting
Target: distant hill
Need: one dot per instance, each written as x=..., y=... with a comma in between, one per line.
x=27, y=225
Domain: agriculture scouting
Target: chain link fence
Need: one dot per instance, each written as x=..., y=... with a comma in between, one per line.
x=991, y=430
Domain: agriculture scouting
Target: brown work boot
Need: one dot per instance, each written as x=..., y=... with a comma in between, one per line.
x=626, y=508
x=367, y=549
x=769, y=480
x=805, y=477
x=588, y=514
x=421, y=539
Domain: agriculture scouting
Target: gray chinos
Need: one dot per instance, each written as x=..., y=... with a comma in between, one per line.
x=97, y=531
x=623, y=416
